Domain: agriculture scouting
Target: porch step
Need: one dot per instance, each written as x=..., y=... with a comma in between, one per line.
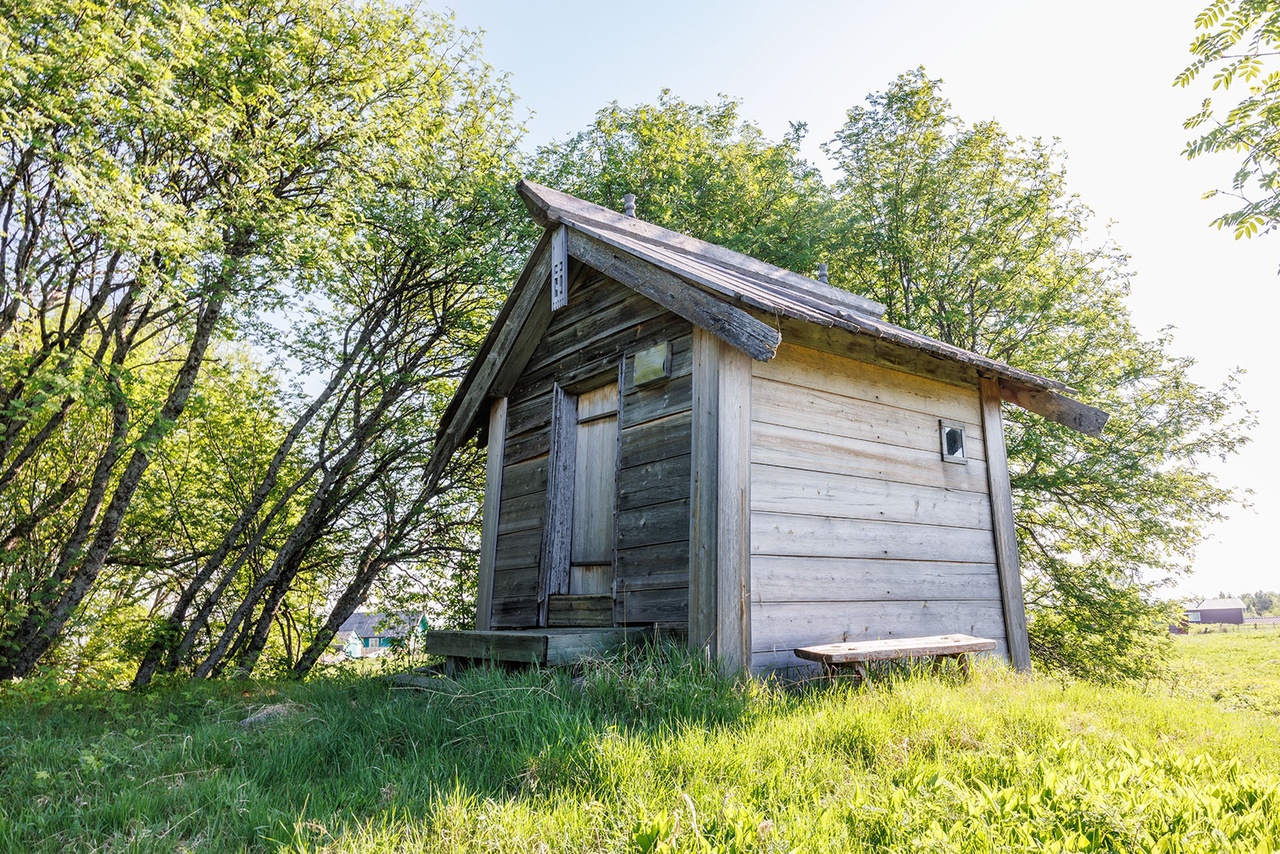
x=543, y=647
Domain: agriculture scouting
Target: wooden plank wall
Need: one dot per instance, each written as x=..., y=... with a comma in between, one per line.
x=859, y=530
x=587, y=340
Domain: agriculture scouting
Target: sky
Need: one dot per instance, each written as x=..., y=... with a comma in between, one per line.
x=1098, y=76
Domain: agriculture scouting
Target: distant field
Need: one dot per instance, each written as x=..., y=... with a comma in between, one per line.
x=1234, y=667
x=659, y=756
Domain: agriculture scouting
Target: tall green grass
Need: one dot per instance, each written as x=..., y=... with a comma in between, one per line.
x=646, y=752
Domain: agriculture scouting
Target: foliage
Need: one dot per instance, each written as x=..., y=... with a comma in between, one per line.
x=331, y=176
x=1234, y=38
x=1262, y=603
x=969, y=236
x=697, y=169
x=649, y=751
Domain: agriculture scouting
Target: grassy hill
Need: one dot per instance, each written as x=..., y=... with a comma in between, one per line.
x=649, y=755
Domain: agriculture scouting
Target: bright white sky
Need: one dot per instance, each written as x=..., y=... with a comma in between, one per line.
x=1096, y=74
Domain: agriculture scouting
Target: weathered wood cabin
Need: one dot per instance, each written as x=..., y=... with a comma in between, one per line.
x=682, y=436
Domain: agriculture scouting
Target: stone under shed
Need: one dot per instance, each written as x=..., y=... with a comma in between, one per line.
x=687, y=439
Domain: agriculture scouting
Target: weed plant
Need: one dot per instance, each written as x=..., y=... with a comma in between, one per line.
x=651, y=751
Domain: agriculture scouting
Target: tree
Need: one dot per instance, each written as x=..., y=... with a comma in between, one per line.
x=178, y=173
x=698, y=169
x=1260, y=603
x=1234, y=39
x=969, y=235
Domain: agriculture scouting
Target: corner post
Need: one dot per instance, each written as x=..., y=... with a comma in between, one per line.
x=492, y=504
x=1006, y=537
x=720, y=521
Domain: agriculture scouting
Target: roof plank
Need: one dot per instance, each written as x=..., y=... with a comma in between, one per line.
x=548, y=206
x=510, y=335
x=735, y=326
x=1087, y=419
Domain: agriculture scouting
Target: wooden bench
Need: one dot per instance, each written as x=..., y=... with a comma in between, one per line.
x=836, y=656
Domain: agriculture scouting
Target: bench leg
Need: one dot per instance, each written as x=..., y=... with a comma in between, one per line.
x=858, y=669
x=963, y=658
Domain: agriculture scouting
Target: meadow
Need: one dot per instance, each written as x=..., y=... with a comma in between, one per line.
x=653, y=752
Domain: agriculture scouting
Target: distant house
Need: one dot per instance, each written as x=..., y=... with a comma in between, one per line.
x=1217, y=611
x=367, y=634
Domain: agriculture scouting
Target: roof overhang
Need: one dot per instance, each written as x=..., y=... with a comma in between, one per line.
x=729, y=294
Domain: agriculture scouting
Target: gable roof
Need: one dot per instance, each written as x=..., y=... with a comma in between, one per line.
x=1218, y=605
x=718, y=289
x=366, y=625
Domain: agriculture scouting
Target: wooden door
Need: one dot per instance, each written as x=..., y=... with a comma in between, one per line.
x=594, y=493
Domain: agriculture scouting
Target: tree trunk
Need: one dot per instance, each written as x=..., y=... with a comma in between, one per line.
x=177, y=617
x=370, y=565
x=41, y=629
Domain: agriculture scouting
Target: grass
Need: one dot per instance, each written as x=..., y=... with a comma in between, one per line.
x=1233, y=667
x=654, y=753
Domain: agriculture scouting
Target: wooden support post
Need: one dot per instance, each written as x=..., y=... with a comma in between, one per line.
x=703, y=493
x=719, y=522
x=553, y=563
x=733, y=510
x=492, y=506
x=1015, y=614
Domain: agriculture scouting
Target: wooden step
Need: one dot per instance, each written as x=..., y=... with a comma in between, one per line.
x=543, y=647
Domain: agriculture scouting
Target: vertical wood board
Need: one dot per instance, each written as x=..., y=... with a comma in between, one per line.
x=554, y=562
x=733, y=509
x=559, y=268
x=492, y=504
x=595, y=477
x=1006, y=537
x=704, y=464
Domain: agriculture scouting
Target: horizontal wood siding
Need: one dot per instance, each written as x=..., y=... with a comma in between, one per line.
x=515, y=583
x=859, y=529
x=586, y=341
x=773, y=629
x=653, y=489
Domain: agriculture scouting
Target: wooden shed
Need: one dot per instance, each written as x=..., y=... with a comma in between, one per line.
x=681, y=436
